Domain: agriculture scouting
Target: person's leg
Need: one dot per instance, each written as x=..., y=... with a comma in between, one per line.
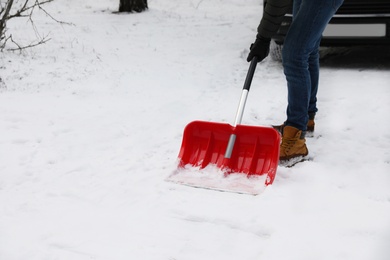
x=300, y=57
x=301, y=67
x=296, y=6
x=314, y=71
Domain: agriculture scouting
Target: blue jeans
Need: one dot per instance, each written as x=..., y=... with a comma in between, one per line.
x=301, y=57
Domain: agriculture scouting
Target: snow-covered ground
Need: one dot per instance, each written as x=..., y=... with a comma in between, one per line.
x=91, y=126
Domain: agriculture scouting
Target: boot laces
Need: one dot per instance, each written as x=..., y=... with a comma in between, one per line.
x=288, y=143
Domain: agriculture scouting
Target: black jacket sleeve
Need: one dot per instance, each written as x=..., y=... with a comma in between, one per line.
x=273, y=14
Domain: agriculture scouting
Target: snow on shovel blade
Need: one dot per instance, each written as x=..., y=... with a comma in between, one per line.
x=212, y=177
x=255, y=152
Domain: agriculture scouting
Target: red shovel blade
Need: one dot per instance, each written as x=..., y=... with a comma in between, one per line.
x=255, y=151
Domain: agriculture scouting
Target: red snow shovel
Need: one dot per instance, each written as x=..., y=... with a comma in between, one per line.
x=250, y=151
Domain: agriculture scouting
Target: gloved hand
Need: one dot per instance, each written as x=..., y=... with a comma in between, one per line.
x=260, y=49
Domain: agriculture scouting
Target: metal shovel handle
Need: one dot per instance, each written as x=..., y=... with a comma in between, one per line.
x=241, y=105
x=245, y=90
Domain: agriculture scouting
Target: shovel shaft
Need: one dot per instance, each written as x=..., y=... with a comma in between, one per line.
x=251, y=72
x=241, y=105
x=229, y=149
x=245, y=91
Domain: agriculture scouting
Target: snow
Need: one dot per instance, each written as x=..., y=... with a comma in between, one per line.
x=91, y=126
x=213, y=177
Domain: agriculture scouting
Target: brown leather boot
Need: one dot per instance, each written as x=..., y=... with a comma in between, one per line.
x=293, y=144
x=309, y=130
x=310, y=126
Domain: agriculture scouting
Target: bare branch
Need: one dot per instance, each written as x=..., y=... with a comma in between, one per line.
x=26, y=10
x=4, y=41
x=51, y=17
x=20, y=12
x=4, y=19
x=33, y=44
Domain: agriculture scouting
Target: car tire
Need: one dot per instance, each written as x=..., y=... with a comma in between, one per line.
x=275, y=51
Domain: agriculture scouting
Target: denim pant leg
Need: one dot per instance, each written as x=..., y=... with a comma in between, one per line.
x=301, y=58
x=314, y=71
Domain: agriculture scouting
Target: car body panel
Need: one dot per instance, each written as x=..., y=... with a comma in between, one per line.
x=357, y=22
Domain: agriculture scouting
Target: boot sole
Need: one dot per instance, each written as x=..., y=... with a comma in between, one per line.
x=288, y=163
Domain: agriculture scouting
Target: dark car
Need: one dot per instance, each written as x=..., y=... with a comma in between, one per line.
x=356, y=23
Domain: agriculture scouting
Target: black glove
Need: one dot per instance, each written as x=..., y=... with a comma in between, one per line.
x=260, y=49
